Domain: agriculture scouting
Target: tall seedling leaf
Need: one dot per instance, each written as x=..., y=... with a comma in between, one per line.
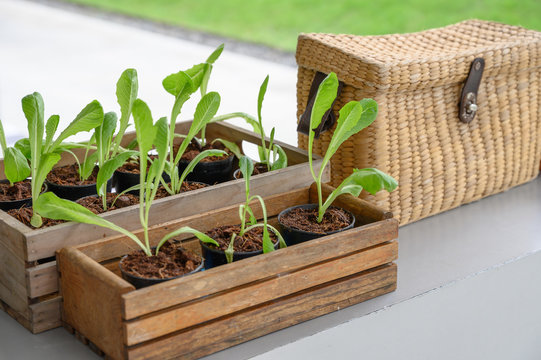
x=90, y=117
x=325, y=96
x=52, y=207
x=354, y=117
x=144, y=126
x=127, y=87
x=50, y=130
x=104, y=135
x=34, y=113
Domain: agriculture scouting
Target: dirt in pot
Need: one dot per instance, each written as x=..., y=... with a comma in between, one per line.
x=259, y=168
x=193, y=150
x=132, y=166
x=172, y=261
x=95, y=204
x=250, y=241
x=19, y=191
x=69, y=175
x=306, y=219
x=25, y=214
x=186, y=186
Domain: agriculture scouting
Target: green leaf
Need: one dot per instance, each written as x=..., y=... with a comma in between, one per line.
x=45, y=166
x=3, y=139
x=187, y=230
x=231, y=146
x=52, y=207
x=24, y=147
x=33, y=111
x=370, y=179
x=246, y=166
x=197, y=159
x=89, y=118
x=107, y=129
x=261, y=96
x=281, y=162
x=205, y=110
x=88, y=165
x=144, y=127
x=178, y=83
x=268, y=246
x=325, y=96
x=109, y=167
x=354, y=117
x=197, y=74
x=215, y=54
x=15, y=165
x=162, y=138
x=229, y=251
x=50, y=130
x=127, y=87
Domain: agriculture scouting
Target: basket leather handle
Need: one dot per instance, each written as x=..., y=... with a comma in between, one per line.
x=328, y=118
x=467, y=107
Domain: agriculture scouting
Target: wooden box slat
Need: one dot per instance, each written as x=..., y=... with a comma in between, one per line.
x=202, y=313
x=193, y=313
x=254, y=323
x=28, y=270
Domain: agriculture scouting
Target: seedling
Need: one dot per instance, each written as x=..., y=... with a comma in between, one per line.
x=149, y=134
x=16, y=166
x=182, y=85
x=45, y=153
x=247, y=218
x=272, y=156
x=353, y=117
x=109, y=155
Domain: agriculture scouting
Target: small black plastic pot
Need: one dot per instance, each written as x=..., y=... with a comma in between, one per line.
x=215, y=257
x=211, y=172
x=295, y=236
x=237, y=174
x=140, y=282
x=125, y=180
x=17, y=204
x=75, y=192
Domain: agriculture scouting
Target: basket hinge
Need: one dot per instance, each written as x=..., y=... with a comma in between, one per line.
x=328, y=119
x=468, y=99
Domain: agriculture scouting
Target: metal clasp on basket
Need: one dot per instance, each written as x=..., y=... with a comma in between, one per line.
x=468, y=98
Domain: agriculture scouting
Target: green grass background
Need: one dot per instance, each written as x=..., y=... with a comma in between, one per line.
x=277, y=23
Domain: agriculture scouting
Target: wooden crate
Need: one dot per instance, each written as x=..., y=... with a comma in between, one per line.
x=215, y=309
x=28, y=275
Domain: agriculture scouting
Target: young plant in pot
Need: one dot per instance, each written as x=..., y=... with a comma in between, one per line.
x=305, y=222
x=16, y=189
x=229, y=243
x=271, y=155
x=44, y=154
x=148, y=265
x=182, y=85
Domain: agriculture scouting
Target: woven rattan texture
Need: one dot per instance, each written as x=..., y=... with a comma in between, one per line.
x=440, y=162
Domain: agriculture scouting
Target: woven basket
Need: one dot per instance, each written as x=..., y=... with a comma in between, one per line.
x=417, y=79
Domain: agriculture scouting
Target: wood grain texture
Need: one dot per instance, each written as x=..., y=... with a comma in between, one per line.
x=208, y=309
x=42, y=279
x=253, y=323
x=46, y=315
x=92, y=296
x=228, y=277
x=12, y=281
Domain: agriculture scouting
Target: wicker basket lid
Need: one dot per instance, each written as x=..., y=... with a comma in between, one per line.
x=423, y=59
